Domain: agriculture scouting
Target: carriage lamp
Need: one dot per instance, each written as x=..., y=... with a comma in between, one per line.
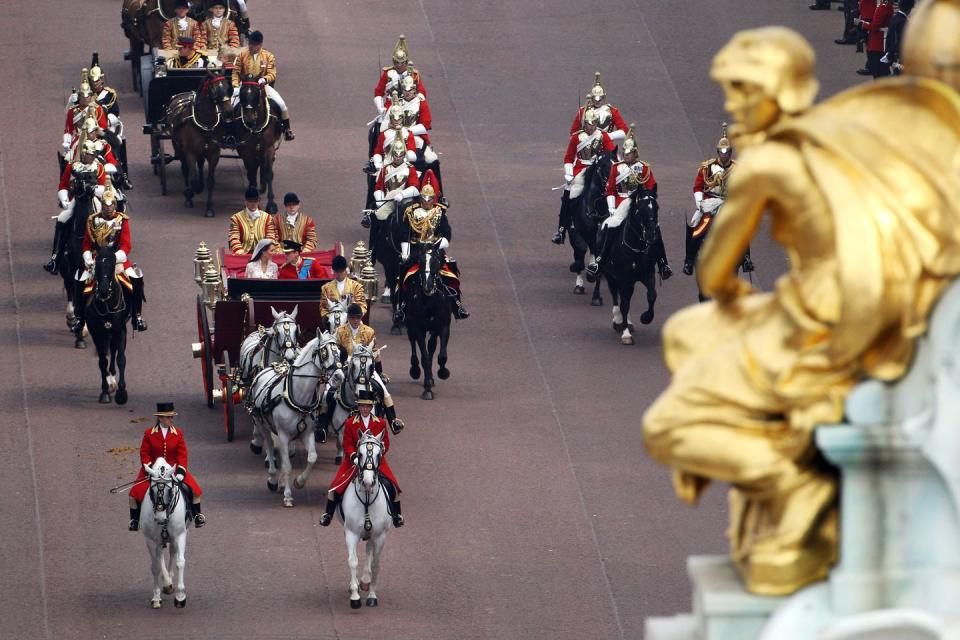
x=201, y=260
x=371, y=285
x=211, y=287
x=359, y=258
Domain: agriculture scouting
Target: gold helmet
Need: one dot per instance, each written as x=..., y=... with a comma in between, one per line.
x=96, y=73
x=931, y=46
x=629, y=142
x=84, y=76
x=109, y=197
x=597, y=93
x=398, y=148
x=589, y=117
x=401, y=55
x=88, y=147
x=395, y=112
x=408, y=83
x=84, y=91
x=723, y=145
x=90, y=125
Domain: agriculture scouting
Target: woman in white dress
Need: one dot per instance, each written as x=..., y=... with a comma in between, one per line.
x=261, y=264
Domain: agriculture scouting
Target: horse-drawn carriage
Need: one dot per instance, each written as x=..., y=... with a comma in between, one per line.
x=231, y=307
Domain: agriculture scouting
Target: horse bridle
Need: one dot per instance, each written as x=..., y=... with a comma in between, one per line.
x=367, y=442
x=281, y=334
x=99, y=302
x=265, y=100
x=158, y=498
x=218, y=104
x=635, y=211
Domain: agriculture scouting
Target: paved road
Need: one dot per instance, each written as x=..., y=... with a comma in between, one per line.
x=532, y=511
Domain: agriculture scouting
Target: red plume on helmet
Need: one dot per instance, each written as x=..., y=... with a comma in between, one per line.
x=429, y=185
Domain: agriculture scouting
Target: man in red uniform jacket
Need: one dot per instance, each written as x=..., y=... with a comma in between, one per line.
x=295, y=267
x=164, y=440
x=353, y=429
x=876, y=28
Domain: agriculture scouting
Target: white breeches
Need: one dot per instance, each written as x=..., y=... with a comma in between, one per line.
x=617, y=216
x=242, y=5
x=115, y=125
x=577, y=185
x=707, y=205
x=428, y=154
x=66, y=214
x=272, y=94
x=385, y=210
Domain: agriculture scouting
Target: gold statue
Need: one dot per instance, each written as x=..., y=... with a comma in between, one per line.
x=863, y=192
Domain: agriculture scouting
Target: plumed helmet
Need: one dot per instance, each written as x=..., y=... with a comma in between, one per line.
x=85, y=91
x=88, y=147
x=96, y=73
x=408, y=83
x=931, y=43
x=109, y=197
x=90, y=125
x=723, y=144
x=630, y=141
x=395, y=112
x=429, y=188
x=398, y=148
x=400, y=54
x=589, y=117
x=597, y=92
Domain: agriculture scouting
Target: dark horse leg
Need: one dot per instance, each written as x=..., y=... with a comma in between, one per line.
x=613, y=284
x=102, y=339
x=118, y=348
x=444, y=334
x=426, y=361
x=414, y=358
x=79, y=323
x=188, y=167
x=212, y=161
x=650, y=282
x=266, y=177
x=625, y=291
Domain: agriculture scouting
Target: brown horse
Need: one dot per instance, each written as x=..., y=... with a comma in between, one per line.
x=142, y=22
x=259, y=133
x=198, y=120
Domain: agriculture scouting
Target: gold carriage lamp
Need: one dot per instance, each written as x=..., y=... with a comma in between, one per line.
x=201, y=260
x=359, y=257
x=211, y=287
x=371, y=285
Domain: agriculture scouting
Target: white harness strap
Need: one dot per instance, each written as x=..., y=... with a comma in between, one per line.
x=394, y=171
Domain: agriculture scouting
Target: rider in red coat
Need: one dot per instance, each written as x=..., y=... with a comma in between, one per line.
x=354, y=428
x=164, y=440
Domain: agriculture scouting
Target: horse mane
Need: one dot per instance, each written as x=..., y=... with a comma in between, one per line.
x=208, y=81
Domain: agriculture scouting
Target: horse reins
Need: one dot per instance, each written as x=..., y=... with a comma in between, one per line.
x=266, y=101
x=369, y=466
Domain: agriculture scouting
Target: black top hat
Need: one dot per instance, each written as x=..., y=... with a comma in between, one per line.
x=181, y=3
x=354, y=311
x=291, y=198
x=255, y=37
x=290, y=246
x=251, y=194
x=365, y=396
x=339, y=263
x=165, y=409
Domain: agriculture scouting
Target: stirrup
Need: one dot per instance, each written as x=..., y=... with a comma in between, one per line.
x=199, y=520
x=139, y=324
x=288, y=134
x=688, y=267
x=399, y=316
x=134, y=525
x=325, y=520
x=559, y=236
x=460, y=313
x=365, y=220
x=51, y=266
x=747, y=265
x=665, y=270
x=592, y=270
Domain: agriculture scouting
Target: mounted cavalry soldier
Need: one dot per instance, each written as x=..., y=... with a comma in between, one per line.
x=181, y=25
x=187, y=56
x=425, y=226
x=109, y=228
x=396, y=182
x=104, y=150
x=259, y=65
x=583, y=149
x=218, y=30
x=77, y=113
x=165, y=440
x=357, y=425
x=250, y=225
x=390, y=82
x=106, y=97
x=608, y=116
x=395, y=130
x=414, y=114
x=709, y=194
x=86, y=172
x=629, y=176
x=291, y=224
x=341, y=289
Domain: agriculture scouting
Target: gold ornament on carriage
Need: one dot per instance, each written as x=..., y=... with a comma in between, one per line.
x=358, y=258
x=630, y=141
x=723, y=145
x=400, y=53
x=371, y=284
x=597, y=92
x=201, y=260
x=211, y=287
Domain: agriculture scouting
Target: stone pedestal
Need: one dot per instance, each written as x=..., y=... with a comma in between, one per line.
x=899, y=572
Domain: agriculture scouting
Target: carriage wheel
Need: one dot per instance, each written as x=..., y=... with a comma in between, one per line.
x=206, y=353
x=229, y=407
x=154, y=153
x=162, y=166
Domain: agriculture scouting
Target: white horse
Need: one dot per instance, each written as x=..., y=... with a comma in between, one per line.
x=336, y=315
x=284, y=400
x=359, y=374
x=365, y=516
x=261, y=349
x=163, y=520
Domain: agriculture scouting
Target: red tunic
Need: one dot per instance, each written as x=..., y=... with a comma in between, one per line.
x=876, y=27
x=382, y=140
x=73, y=121
x=68, y=172
x=646, y=176
x=173, y=449
x=616, y=119
x=352, y=432
x=424, y=116
x=120, y=243
x=385, y=78
x=413, y=178
x=571, y=156
x=290, y=272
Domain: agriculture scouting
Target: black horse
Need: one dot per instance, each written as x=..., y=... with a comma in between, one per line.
x=385, y=239
x=428, y=312
x=633, y=258
x=588, y=211
x=70, y=255
x=258, y=132
x=106, y=312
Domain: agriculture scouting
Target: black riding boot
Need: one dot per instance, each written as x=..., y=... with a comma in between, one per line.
x=662, y=266
x=747, y=264
x=135, y=518
x=136, y=305
x=564, y=220
x=459, y=312
x=323, y=419
x=198, y=518
x=59, y=233
x=333, y=500
x=372, y=136
x=594, y=267
x=287, y=132
x=395, y=512
x=691, y=251
x=125, y=183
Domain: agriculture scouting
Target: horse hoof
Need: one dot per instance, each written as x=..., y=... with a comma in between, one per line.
x=156, y=604
x=355, y=604
x=121, y=396
x=395, y=330
x=180, y=604
x=627, y=340
x=427, y=394
x=443, y=373
x=364, y=586
x=288, y=503
x=338, y=460
x=596, y=302
x=104, y=398
x=208, y=213
x=372, y=602
x=168, y=589
x=272, y=486
x=298, y=484
x=256, y=449
x=579, y=290
x=646, y=317
x=79, y=343
x=415, y=373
